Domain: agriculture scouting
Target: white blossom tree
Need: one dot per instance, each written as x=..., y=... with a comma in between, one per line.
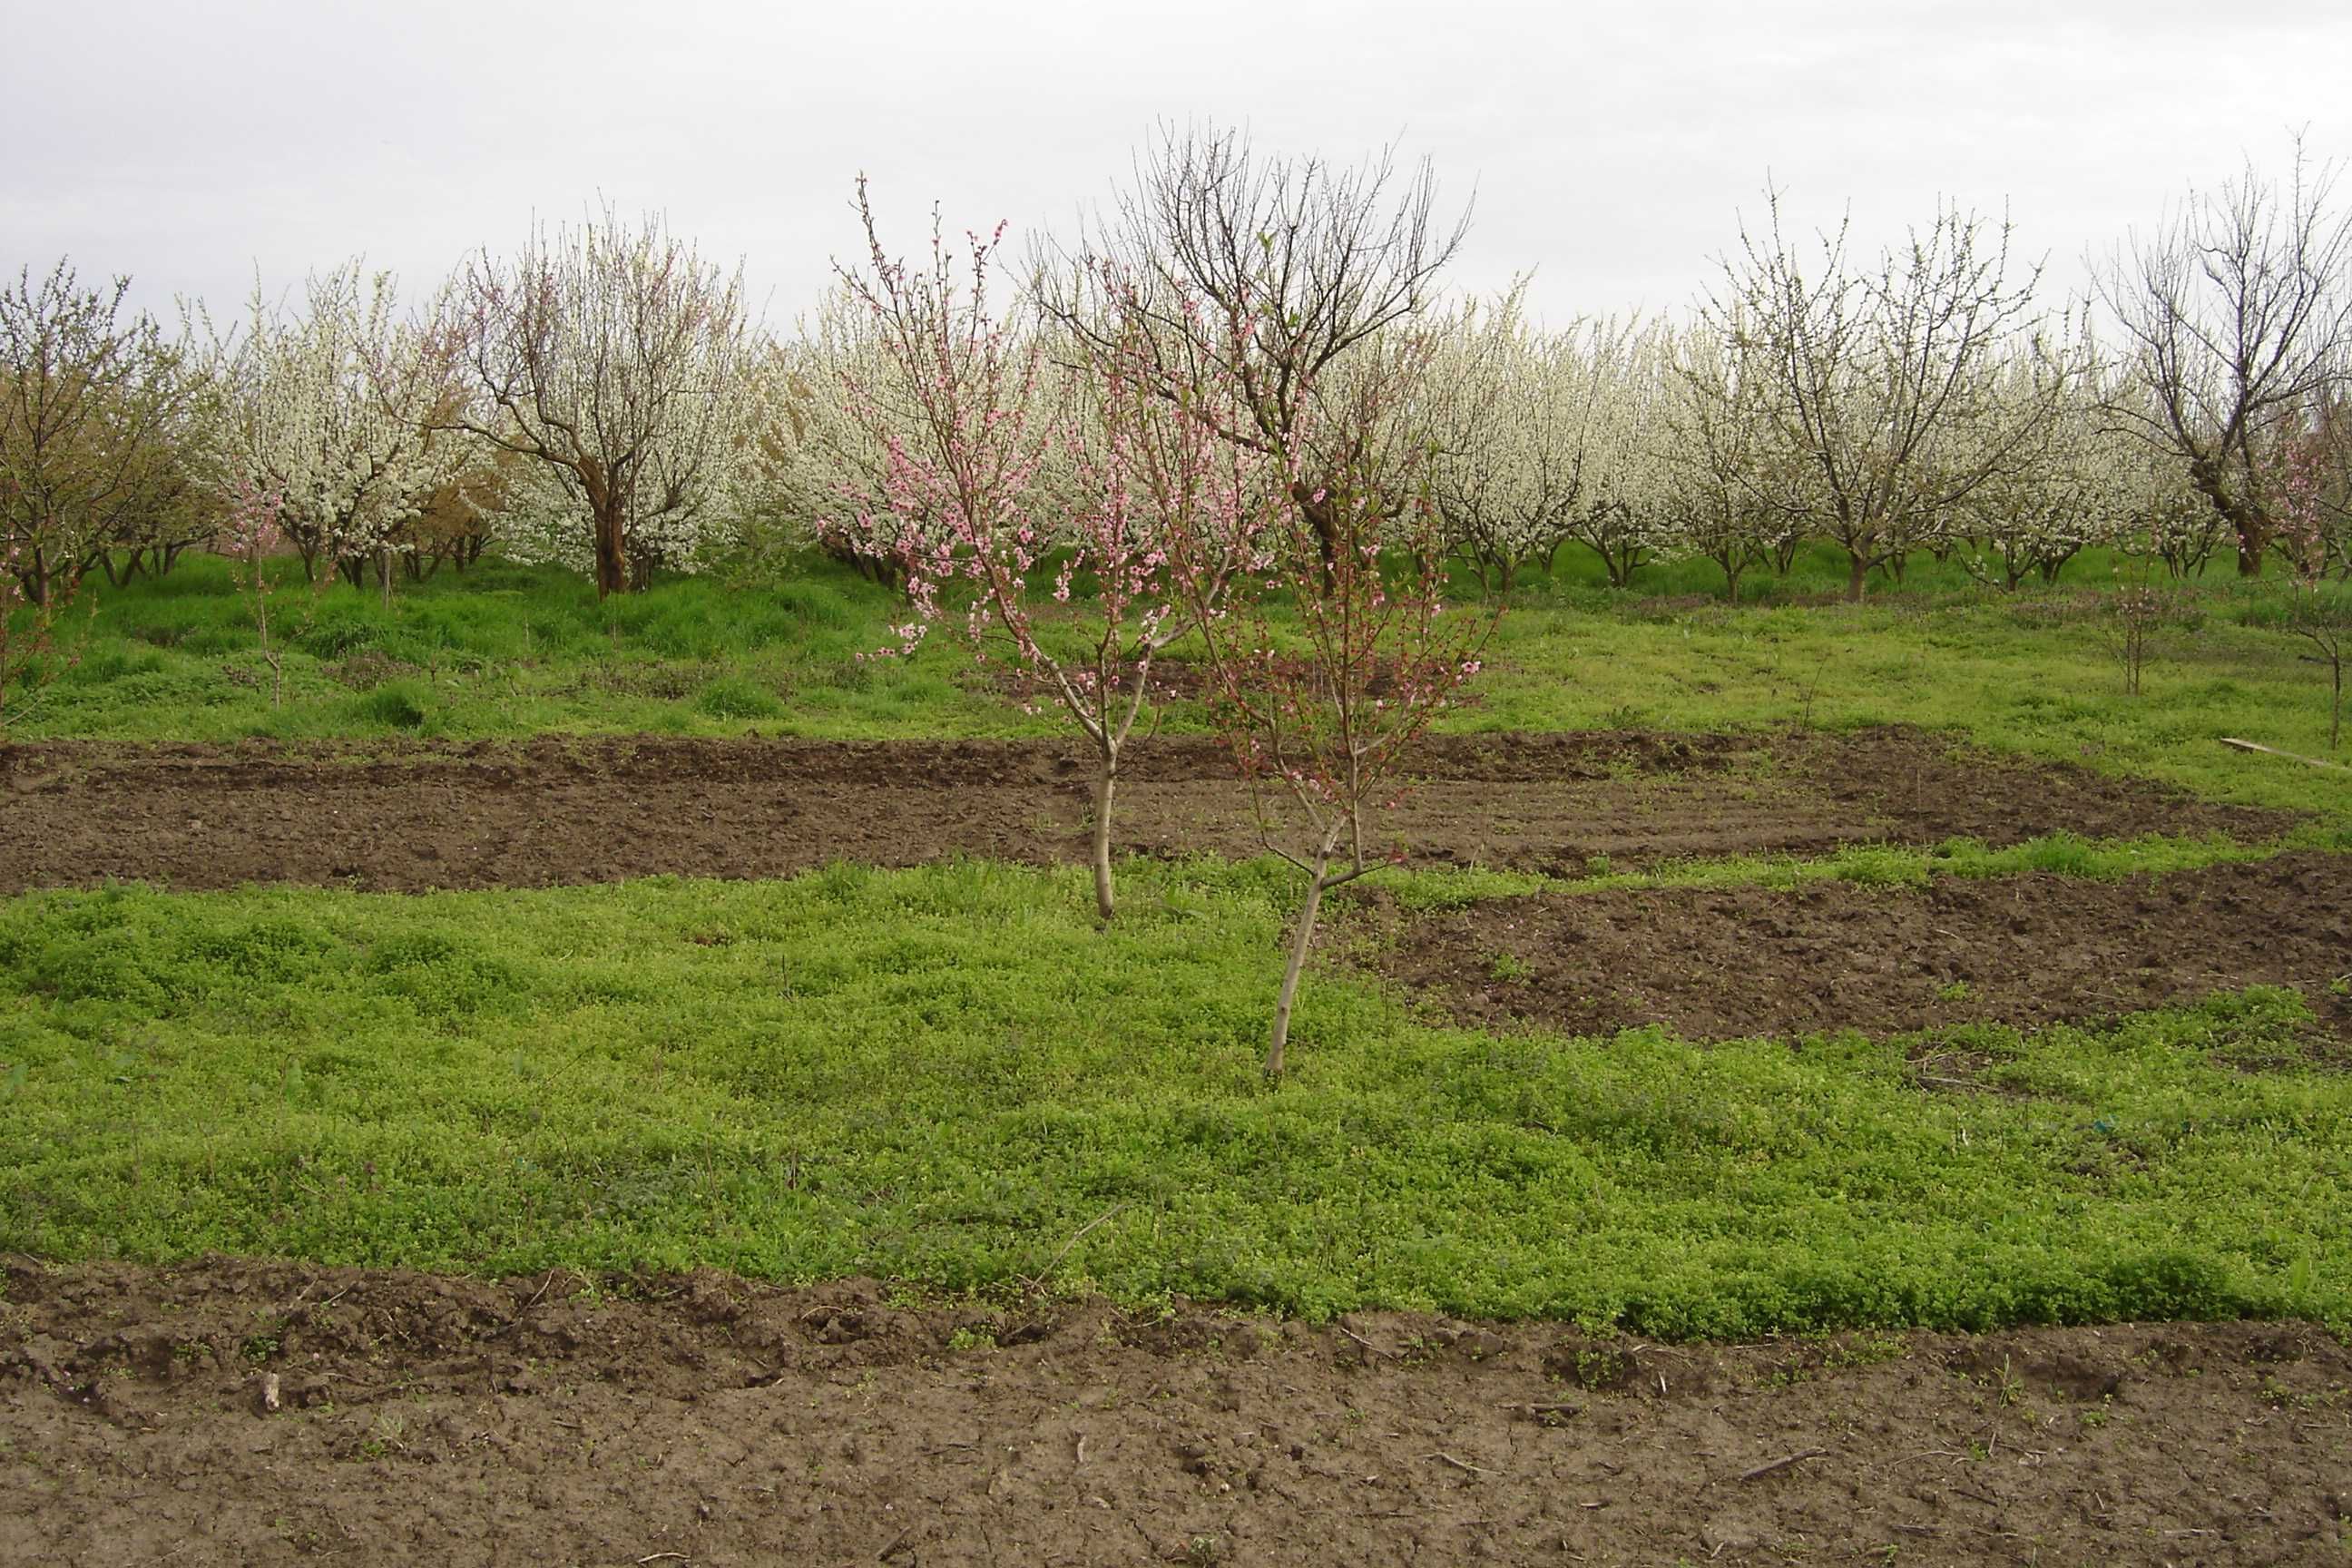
x=614, y=357
x=1882, y=383
x=342, y=412
x=2075, y=482
x=1724, y=491
x=1627, y=522
x=1512, y=412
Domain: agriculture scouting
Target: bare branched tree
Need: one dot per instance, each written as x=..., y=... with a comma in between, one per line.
x=1882, y=384
x=611, y=354
x=2237, y=314
x=1276, y=275
x=91, y=397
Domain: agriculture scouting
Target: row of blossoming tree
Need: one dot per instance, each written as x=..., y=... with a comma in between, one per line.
x=601, y=396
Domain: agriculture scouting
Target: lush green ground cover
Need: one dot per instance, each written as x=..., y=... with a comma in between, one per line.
x=945, y=1075
x=942, y=1075
x=503, y=651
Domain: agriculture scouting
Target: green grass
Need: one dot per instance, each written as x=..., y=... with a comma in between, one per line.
x=1879, y=865
x=942, y=1075
x=503, y=651
x=2028, y=673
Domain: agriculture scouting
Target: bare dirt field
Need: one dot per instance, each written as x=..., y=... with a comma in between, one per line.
x=563, y=810
x=2030, y=949
x=708, y=1421
x=712, y=1420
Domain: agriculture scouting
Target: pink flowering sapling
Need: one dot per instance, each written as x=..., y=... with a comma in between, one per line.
x=29, y=656
x=970, y=424
x=1319, y=714
x=255, y=531
x=2320, y=616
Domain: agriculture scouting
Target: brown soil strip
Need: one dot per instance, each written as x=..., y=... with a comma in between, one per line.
x=560, y=810
x=461, y=1422
x=1716, y=964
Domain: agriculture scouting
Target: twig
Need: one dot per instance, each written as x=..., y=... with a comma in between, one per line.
x=544, y=1286
x=2290, y=756
x=1038, y=1282
x=1782, y=1463
x=330, y=1301
x=662, y=1557
x=1361, y=1340
x=1462, y=1465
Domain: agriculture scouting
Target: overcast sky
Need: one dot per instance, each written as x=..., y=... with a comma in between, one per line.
x=1611, y=148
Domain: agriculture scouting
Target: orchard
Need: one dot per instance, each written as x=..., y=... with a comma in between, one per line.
x=1124, y=845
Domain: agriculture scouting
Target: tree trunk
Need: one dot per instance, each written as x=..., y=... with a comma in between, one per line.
x=1105, y=783
x=383, y=574
x=1298, y=964
x=1730, y=582
x=2248, y=522
x=1319, y=516
x=612, y=556
x=2335, y=705
x=607, y=506
x=1859, y=569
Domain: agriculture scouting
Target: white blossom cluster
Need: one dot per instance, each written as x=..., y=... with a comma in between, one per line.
x=339, y=411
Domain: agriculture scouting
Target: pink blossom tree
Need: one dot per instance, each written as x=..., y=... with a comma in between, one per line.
x=2319, y=615
x=972, y=419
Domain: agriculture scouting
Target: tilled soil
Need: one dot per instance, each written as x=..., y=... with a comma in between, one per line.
x=565, y=810
x=452, y=1421
x=1723, y=962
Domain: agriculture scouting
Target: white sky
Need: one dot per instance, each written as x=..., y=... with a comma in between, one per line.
x=1610, y=147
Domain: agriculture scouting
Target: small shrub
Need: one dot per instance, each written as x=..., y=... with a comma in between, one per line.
x=733, y=696
x=398, y=704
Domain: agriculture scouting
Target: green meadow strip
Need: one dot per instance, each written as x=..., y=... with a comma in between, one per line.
x=951, y=1075
x=1881, y=865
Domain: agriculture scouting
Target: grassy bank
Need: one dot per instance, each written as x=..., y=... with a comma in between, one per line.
x=945, y=1075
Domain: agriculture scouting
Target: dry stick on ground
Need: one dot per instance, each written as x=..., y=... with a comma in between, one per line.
x=1038, y=1282
x=1464, y=1465
x=1363, y=1342
x=1782, y=1463
x=2290, y=756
